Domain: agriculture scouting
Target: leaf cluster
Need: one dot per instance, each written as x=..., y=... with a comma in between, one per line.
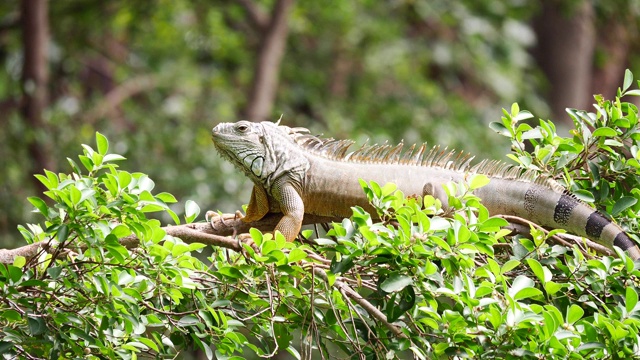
x=599, y=162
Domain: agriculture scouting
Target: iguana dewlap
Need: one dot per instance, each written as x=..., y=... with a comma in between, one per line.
x=296, y=173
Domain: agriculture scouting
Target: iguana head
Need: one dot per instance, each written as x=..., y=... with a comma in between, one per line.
x=263, y=151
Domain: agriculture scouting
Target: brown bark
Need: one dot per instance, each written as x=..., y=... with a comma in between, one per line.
x=270, y=53
x=566, y=40
x=340, y=70
x=258, y=18
x=35, y=77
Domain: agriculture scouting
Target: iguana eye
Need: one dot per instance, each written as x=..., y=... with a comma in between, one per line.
x=242, y=128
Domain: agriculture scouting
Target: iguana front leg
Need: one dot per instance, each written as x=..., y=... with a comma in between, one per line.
x=290, y=203
x=292, y=208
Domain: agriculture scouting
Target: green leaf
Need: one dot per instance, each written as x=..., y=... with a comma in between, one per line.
x=103, y=143
x=188, y=320
x=500, y=128
x=495, y=222
x=112, y=157
x=515, y=109
x=54, y=272
x=527, y=293
x=574, y=313
x=145, y=183
x=76, y=195
x=523, y=115
x=192, y=210
x=296, y=255
x=478, y=181
x=179, y=249
x=124, y=179
x=15, y=273
x=39, y=204
x=584, y=195
x=395, y=282
x=628, y=80
x=167, y=198
x=537, y=269
x=11, y=315
x=37, y=326
x=268, y=246
x=631, y=299
x=74, y=166
x=19, y=261
x=520, y=283
x=622, y=204
x=196, y=246
x=87, y=162
x=153, y=208
x=63, y=233
x=149, y=343
x=44, y=180
x=174, y=216
x=231, y=272
x=508, y=266
x=532, y=134
x=115, y=249
x=552, y=287
x=604, y=131
x=121, y=231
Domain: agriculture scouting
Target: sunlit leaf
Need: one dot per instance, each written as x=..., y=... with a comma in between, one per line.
x=102, y=143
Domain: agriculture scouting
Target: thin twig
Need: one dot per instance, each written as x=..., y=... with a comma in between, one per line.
x=567, y=240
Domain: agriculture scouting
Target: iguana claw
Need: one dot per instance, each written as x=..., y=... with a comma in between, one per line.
x=212, y=216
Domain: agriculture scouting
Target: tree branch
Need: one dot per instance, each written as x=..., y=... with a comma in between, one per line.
x=358, y=299
x=225, y=225
x=118, y=95
x=257, y=16
x=567, y=240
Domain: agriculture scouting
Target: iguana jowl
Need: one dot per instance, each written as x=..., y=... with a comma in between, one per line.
x=296, y=173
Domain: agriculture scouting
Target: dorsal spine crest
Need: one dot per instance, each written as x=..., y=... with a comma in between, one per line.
x=414, y=155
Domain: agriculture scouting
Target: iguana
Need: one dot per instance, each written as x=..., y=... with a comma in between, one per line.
x=296, y=173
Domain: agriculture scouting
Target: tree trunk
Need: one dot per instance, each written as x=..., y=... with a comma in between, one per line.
x=35, y=77
x=614, y=44
x=566, y=40
x=340, y=70
x=272, y=47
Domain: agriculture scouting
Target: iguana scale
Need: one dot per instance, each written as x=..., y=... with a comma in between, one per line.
x=296, y=173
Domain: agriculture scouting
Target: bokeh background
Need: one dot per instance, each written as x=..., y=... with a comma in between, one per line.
x=155, y=76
